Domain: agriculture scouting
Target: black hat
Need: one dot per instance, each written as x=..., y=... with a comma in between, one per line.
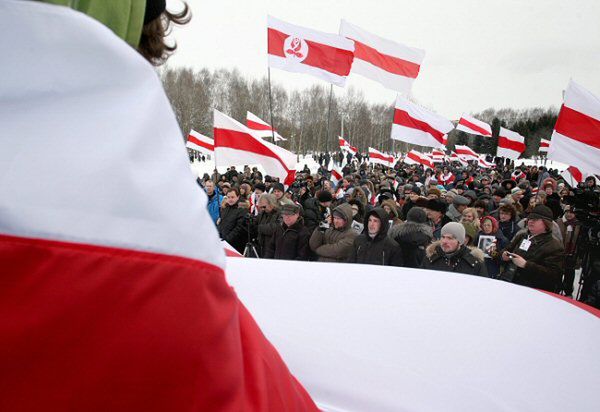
x=278, y=186
x=417, y=215
x=437, y=205
x=324, y=196
x=509, y=184
x=541, y=212
x=261, y=187
x=500, y=192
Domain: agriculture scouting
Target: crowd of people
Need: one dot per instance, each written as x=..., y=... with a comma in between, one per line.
x=523, y=225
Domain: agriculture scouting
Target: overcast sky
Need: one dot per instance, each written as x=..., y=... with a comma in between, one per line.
x=479, y=54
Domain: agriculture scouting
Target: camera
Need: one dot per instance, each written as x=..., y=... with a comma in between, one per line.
x=323, y=225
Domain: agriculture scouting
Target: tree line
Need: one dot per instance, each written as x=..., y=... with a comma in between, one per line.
x=301, y=116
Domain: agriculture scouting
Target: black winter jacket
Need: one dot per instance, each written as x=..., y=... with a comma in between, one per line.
x=464, y=260
x=266, y=224
x=545, y=259
x=232, y=226
x=380, y=250
x=412, y=238
x=313, y=213
x=290, y=243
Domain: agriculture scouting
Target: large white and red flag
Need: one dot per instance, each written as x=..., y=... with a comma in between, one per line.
x=415, y=157
x=199, y=142
x=113, y=294
x=344, y=145
x=392, y=64
x=572, y=176
x=302, y=50
x=235, y=145
x=576, y=136
x=544, y=145
x=375, y=156
x=419, y=126
x=465, y=152
x=471, y=125
x=510, y=144
x=484, y=163
x=261, y=128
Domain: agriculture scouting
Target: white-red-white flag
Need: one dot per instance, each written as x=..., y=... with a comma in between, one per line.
x=375, y=156
x=484, y=163
x=417, y=158
x=544, y=145
x=392, y=64
x=572, y=176
x=344, y=145
x=447, y=178
x=576, y=136
x=471, y=125
x=456, y=158
x=336, y=175
x=302, y=50
x=510, y=144
x=438, y=156
x=261, y=128
x=199, y=142
x=416, y=125
x=235, y=145
x=465, y=152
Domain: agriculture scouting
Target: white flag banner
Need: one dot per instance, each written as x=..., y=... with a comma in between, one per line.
x=200, y=143
x=544, y=145
x=261, y=128
x=417, y=125
x=465, y=152
x=392, y=64
x=510, y=144
x=471, y=125
x=375, y=156
x=576, y=137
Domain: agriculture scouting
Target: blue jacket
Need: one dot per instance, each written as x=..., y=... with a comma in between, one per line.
x=214, y=205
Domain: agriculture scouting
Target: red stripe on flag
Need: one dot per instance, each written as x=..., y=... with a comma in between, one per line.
x=419, y=160
x=374, y=155
x=576, y=173
x=473, y=126
x=94, y=328
x=578, y=126
x=322, y=56
x=386, y=62
x=200, y=143
x=234, y=139
x=402, y=118
x=506, y=143
x=257, y=126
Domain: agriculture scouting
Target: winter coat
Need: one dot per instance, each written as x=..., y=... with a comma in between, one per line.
x=553, y=202
x=214, y=205
x=313, y=213
x=290, y=243
x=412, y=239
x=509, y=229
x=233, y=228
x=334, y=245
x=464, y=260
x=544, y=257
x=266, y=224
x=492, y=263
x=380, y=250
x=453, y=214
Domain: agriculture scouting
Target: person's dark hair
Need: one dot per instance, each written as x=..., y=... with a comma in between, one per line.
x=153, y=45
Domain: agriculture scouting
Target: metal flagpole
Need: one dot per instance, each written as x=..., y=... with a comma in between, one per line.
x=271, y=106
x=328, y=118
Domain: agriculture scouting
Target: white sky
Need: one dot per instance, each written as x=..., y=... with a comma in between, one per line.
x=479, y=54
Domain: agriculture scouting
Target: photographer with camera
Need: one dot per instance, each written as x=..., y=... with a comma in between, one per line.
x=316, y=210
x=332, y=241
x=534, y=257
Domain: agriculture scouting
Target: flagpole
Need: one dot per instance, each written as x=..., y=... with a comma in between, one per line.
x=271, y=106
x=328, y=118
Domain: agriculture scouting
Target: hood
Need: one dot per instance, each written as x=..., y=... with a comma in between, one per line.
x=346, y=210
x=412, y=232
x=124, y=17
x=383, y=216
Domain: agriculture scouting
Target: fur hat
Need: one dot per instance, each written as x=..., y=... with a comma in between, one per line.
x=417, y=215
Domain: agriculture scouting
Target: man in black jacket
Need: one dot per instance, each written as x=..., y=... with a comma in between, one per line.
x=373, y=246
x=290, y=239
x=317, y=209
x=450, y=253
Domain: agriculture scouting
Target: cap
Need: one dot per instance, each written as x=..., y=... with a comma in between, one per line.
x=290, y=209
x=541, y=212
x=417, y=215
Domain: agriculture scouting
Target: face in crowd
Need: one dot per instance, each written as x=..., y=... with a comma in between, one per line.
x=448, y=243
x=209, y=186
x=232, y=198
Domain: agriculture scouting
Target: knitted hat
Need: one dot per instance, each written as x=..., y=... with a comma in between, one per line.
x=456, y=230
x=470, y=229
x=417, y=215
x=515, y=191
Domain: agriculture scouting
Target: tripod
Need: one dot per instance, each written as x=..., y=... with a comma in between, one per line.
x=250, y=250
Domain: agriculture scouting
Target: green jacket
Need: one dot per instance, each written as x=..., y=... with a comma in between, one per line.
x=124, y=17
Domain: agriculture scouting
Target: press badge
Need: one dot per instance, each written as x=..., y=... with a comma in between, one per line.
x=525, y=245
